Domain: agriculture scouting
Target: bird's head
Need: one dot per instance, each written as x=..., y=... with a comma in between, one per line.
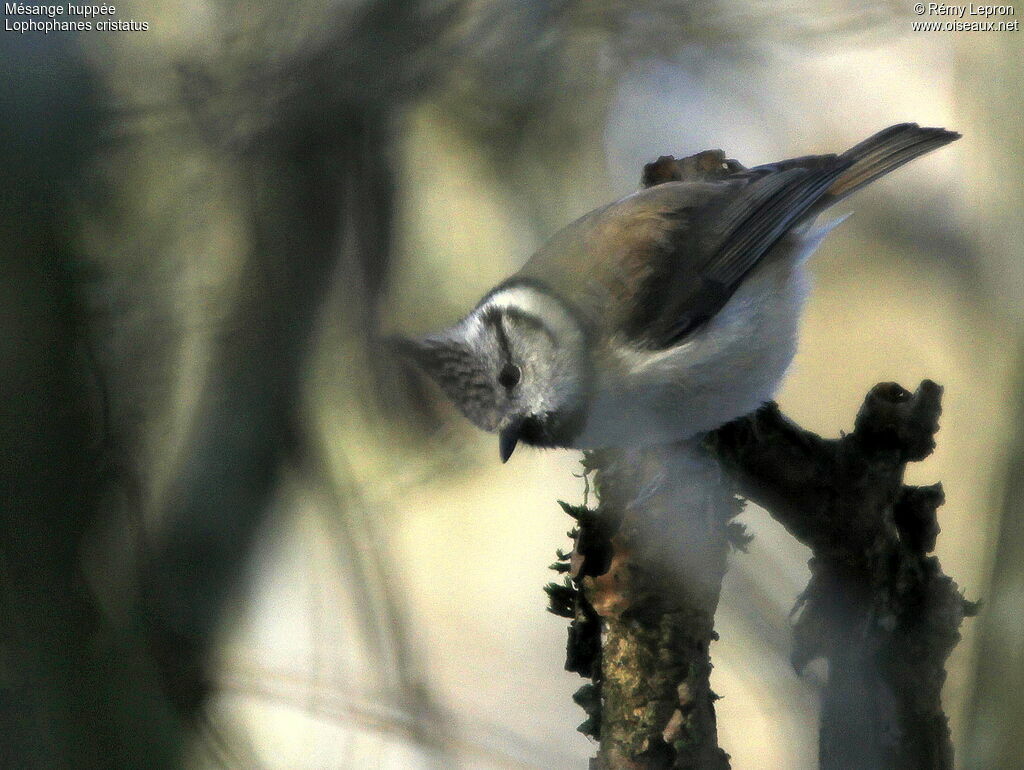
x=516, y=365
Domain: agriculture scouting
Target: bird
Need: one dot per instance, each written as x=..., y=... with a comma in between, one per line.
x=663, y=315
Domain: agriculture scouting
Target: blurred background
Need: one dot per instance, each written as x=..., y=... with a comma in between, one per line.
x=236, y=533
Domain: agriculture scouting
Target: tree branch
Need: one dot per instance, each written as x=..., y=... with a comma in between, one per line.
x=642, y=591
x=877, y=608
x=647, y=564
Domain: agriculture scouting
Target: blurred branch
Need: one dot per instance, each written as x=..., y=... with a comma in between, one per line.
x=75, y=690
x=382, y=617
x=246, y=413
x=877, y=608
x=311, y=137
x=493, y=744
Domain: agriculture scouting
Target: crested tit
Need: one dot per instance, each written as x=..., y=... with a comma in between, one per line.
x=662, y=315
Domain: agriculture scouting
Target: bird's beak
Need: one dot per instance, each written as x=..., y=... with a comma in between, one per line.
x=507, y=440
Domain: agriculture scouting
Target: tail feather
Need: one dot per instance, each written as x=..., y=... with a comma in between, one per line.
x=887, y=150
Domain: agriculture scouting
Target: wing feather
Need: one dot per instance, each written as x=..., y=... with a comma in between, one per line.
x=714, y=243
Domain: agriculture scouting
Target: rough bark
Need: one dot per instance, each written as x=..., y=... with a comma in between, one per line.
x=878, y=608
x=644, y=579
x=647, y=566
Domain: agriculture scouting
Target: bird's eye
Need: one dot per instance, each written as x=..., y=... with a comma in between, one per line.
x=510, y=376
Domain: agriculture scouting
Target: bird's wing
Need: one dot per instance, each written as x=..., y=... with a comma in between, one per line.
x=721, y=229
x=710, y=245
x=658, y=264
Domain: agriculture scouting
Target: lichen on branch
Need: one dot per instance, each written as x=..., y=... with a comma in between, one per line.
x=642, y=588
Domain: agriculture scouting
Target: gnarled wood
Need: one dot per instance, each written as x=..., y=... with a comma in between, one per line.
x=647, y=565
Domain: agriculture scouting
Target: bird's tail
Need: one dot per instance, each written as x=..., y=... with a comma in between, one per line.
x=887, y=150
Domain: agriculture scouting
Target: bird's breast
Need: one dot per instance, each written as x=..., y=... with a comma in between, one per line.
x=725, y=369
